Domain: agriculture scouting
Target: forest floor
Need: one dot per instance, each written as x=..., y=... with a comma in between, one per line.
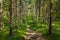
x=4, y=34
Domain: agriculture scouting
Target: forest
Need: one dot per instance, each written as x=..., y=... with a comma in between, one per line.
x=29, y=19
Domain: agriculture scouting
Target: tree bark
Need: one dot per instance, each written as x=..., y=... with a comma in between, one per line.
x=21, y=13
x=50, y=18
x=37, y=11
x=0, y=13
x=10, y=33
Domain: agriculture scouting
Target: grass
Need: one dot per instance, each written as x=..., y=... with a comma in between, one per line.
x=4, y=35
x=53, y=37
x=43, y=29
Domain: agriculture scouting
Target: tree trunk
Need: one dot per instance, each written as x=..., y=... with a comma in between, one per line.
x=48, y=14
x=21, y=13
x=37, y=10
x=50, y=18
x=0, y=13
x=10, y=33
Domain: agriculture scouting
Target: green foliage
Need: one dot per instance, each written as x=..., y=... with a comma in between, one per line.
x=30, y=20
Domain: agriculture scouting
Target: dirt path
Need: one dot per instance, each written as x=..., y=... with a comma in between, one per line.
x=32, y=35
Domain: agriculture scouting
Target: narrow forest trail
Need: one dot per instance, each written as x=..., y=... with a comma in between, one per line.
x=32, y=35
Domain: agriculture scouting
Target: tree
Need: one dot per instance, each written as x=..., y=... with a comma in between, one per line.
x=38, y=10
x=21, y=13
x=10, y=33
x=0, y=13
x=50, y=16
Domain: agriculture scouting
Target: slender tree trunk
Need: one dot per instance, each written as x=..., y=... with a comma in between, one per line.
x=50, y=18
x=37, y=10
x=45, y=14
x=20, y=13
x=16, y=16
x=39, y=2
x=10, y=33
x=48, y=14
x=0, y=13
